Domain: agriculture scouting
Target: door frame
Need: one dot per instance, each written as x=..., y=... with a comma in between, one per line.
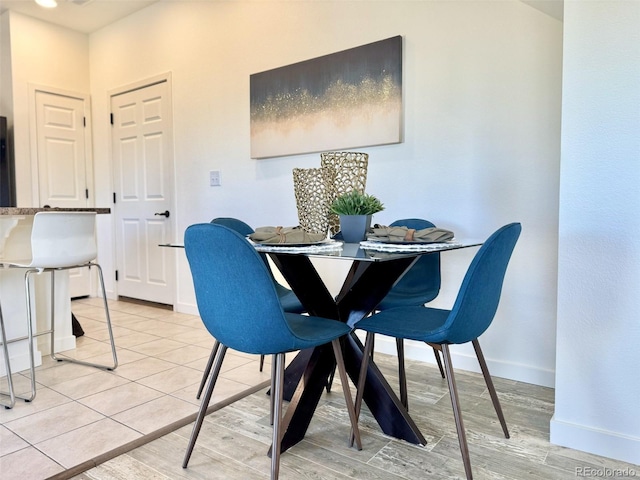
x=34, y=88
x=149, y=81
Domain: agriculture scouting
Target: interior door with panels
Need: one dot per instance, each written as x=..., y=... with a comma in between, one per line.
x=142, y=150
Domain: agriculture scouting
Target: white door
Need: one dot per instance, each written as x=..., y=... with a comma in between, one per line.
x=61, y=138
x=142, y=149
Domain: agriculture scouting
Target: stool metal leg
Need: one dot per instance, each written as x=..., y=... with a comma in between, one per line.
x=5, y=348
x=29, y=337
x=32, y=362
x=112, y=366
x=51, y=331
x=108, y=317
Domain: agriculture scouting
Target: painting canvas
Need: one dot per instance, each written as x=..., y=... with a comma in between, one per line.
x=344, y=100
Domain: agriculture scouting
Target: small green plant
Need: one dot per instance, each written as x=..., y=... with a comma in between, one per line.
x=356, y=203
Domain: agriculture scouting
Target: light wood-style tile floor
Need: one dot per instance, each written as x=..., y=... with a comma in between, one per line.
x=162, y=356
x=82, y=415
x=234, y=440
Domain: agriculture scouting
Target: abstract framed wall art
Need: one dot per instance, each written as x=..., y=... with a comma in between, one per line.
x=343, y=100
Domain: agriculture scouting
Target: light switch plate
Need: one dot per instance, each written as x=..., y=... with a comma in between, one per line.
x=214, y=178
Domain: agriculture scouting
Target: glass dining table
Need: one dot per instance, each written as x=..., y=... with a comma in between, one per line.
x=372, y=274
x=374, y=270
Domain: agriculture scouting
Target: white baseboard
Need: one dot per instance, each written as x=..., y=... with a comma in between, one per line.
x=596, y=441
x=188, y=308
x=19, y=359
x=512, y=371
x=68, y=342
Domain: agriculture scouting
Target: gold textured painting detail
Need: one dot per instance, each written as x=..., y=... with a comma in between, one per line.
x=343, y=100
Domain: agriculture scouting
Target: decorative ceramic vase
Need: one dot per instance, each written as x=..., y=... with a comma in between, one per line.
x=354, y=227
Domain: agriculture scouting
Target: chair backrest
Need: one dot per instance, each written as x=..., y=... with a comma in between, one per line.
x=234, y=224
x=289, y=301
x=236, y=296
x=421, y=283
x=244, y=230
x=479, y=295
x=63, y=239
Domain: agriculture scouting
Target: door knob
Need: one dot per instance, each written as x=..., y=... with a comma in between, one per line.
x=164, y=214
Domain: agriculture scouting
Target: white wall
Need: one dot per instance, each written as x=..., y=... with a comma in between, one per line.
x=597, y=382
x=6, y=91
x=482, y=84
x=45, y=55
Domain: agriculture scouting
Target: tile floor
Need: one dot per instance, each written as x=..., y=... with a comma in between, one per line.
x=234, y=440
x=81, y=413
x=83, y=417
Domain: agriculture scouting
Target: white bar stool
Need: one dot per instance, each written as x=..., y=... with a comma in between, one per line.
x=60, y=241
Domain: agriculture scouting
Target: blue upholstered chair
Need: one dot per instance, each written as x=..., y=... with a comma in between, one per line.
x=288, y=299
x=234, y=224
x=239, y=305
x=420, y=285
x=471, y=315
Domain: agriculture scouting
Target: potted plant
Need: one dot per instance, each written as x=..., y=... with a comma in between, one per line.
x=355, y=210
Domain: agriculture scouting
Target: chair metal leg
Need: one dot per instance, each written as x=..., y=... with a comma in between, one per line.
x=207, y=369
x=261, y=362
x=344, y=379
x=204, y=404
x=5, y=348
x=277, y=391
x=112, y=366
x=402, y=374
x=330, y=380
x=272, y=397
x=373, y=346
x=457, y=414
x=492, y=389
x=333, y=373
x=404, y=397
x=439, y=362
x=362, y=378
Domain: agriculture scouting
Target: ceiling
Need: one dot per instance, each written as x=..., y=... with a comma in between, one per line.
x=554, y=8
x=87, y=16
x=83, y=16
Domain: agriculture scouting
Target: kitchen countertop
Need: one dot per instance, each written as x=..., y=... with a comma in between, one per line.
x=34, y=210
